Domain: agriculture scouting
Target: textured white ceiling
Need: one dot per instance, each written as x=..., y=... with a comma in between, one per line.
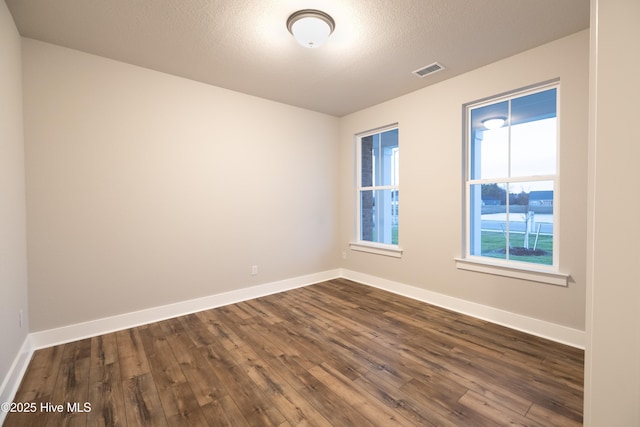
x=244, y=45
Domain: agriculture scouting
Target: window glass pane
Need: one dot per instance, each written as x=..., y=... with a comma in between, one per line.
x=379, y=159
x=520, y=230
x=488, y=220
x=533, y=148
x=489, y=147
x=367, y=160
x=379, y=216
x=530, y=222
x=533, y=134
x=387, y=172
x=516, y=217
x=537, y=106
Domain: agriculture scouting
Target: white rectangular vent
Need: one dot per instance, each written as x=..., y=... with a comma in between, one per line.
x=429, y=69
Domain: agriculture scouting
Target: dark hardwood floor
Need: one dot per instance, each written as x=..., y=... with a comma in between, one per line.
x=332, y=354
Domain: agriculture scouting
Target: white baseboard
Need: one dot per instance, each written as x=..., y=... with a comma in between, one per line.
x=530, y=325
x=106, y=325
x=12, y=380
x=552, y=331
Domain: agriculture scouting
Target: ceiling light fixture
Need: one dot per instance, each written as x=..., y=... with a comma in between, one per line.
x=311, y=28
x=495, y=123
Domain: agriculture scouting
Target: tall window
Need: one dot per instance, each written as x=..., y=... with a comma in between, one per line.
x=511, y=182
x=378, y=196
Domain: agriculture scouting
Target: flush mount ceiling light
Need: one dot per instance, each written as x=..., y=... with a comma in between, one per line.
x=311, y=28
x=495, y=123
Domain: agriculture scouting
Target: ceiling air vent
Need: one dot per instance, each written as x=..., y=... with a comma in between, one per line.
x=429, y=69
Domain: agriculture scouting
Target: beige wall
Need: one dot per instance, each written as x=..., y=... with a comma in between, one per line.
x=430, y=125
x=13, y=252
x=145, y=189
x=612, y=366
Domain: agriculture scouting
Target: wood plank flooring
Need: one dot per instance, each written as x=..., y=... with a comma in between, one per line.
x=332, y=354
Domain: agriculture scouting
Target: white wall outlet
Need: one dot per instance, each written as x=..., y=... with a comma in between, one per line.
x=20, y=320
x=254, y=270
x=344, y=255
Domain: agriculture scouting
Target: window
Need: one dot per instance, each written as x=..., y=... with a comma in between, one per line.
x=377, y=190
x=511, y=179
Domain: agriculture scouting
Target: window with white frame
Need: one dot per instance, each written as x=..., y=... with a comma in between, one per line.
x=511, y=179
x=377, y=187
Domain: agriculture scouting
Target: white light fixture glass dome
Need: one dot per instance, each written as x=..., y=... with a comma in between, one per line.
x=311, y=28
x=495, y=123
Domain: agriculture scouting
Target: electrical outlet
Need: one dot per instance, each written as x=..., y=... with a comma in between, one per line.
x=254, y=270
x=20, y=315
x=344, y=255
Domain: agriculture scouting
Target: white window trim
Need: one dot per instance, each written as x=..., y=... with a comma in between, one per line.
x=357, y=244
x=516, y=269
x=376, y=248
x=513, y=269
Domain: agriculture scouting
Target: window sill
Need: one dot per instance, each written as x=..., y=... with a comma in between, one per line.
x=377, y=248
x=531, y=274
